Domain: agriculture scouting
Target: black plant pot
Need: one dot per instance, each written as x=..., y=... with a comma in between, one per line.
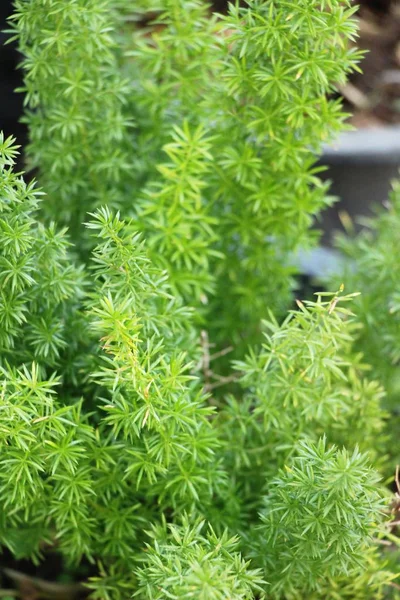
x=361, y=166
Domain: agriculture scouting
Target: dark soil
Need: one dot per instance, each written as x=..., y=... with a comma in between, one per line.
x=373, y=96
x=11, y=103
x=49, y=580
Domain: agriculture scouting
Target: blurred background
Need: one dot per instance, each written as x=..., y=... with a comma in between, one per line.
x=10, y=78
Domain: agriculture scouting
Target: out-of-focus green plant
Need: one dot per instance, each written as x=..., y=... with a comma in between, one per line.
x=371, y=266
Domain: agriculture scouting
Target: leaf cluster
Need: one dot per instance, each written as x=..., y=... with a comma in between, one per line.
x=371, y=266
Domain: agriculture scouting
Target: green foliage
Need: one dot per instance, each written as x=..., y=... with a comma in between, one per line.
x=258, y=85
x=183, y=562
x=154, y=403
x=307, y=380
x=318, y=517
x=40, y=286
x=374, y=581
x=372, y=267
x=144, y=444
x=253, y=86
x=175, y=217
x=74, y=94
x=188, y=149
x=46, y=479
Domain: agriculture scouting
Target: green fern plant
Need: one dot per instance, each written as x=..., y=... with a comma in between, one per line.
x=372, y=267
x=309, y=532
x=182, y=158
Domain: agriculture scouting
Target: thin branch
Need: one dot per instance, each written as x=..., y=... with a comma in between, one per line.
x=382, y=542
x=355, y=96
x=46, y=589
x=221, y=353
x=222, y=381
x=212, y=380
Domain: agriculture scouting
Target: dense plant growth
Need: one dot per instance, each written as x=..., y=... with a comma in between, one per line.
x=181, y=158
x=372, y=267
